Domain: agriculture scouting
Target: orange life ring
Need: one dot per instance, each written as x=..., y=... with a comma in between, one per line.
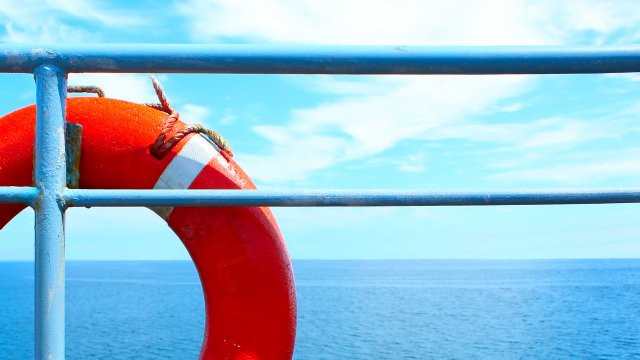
x=239, y=252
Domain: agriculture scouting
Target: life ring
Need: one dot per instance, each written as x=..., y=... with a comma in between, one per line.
x=239, y=252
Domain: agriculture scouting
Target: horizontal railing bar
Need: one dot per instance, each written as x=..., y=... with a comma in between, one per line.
x=281, y=59
x=307, y=198
x=83, y=197
x=18, y=195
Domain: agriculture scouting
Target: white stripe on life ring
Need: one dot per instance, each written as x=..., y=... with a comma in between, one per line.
x=185, y=167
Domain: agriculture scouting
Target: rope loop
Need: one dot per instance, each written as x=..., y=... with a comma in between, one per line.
x=162, y=145
x=86, y=89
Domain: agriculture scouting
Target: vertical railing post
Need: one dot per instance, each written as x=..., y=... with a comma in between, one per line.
x=50, y=179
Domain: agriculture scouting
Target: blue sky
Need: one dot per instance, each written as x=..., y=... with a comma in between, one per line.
x=418, y=132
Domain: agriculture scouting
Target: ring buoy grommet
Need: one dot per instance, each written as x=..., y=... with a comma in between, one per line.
x=239, y=252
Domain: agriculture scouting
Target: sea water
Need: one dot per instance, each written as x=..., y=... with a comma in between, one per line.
x=548, y=309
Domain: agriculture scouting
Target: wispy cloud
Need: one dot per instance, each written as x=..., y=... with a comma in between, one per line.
x=588, y=171
x=414, y=163
x=373, y=115
x=93, y=11
x=409, y=22
x=553, y=150
x=59, y=20
x=359, y=126
x=129, y=87
x=192, y=113
x=549, y=134
x=406, y=22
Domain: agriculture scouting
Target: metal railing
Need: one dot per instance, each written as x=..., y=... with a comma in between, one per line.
x=51, y=64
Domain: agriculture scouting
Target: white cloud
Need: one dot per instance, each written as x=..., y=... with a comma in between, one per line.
x=129, y=87
x=91, y=11
x=345, y=85
x=510, y=108
x=213, y=118
x=292, y=158
x=414, y=163
x=406, y=22
x=409, y=110
x=374, y=115
x=360, y=126
x=58, y=20
x=623, y=164
x=595, y=17
x=547, y=134
x=45, y=31
x=547, y=150
x=194, y=114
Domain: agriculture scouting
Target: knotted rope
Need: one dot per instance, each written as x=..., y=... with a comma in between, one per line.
x=162, y=146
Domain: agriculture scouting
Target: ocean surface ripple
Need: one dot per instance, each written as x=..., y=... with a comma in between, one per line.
x=400, y=309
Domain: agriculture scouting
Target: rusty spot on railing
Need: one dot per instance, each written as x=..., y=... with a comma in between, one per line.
x=73, y=137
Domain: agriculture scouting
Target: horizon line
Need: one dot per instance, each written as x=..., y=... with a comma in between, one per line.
x=351, y=259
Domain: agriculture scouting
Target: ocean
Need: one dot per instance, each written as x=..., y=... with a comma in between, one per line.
x=404, y=309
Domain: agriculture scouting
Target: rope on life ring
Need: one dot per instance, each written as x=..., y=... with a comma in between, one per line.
x=239, y=252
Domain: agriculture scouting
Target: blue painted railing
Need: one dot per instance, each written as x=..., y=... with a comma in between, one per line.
x=51, y=64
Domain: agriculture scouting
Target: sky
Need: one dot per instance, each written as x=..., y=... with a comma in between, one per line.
x=382, y=132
